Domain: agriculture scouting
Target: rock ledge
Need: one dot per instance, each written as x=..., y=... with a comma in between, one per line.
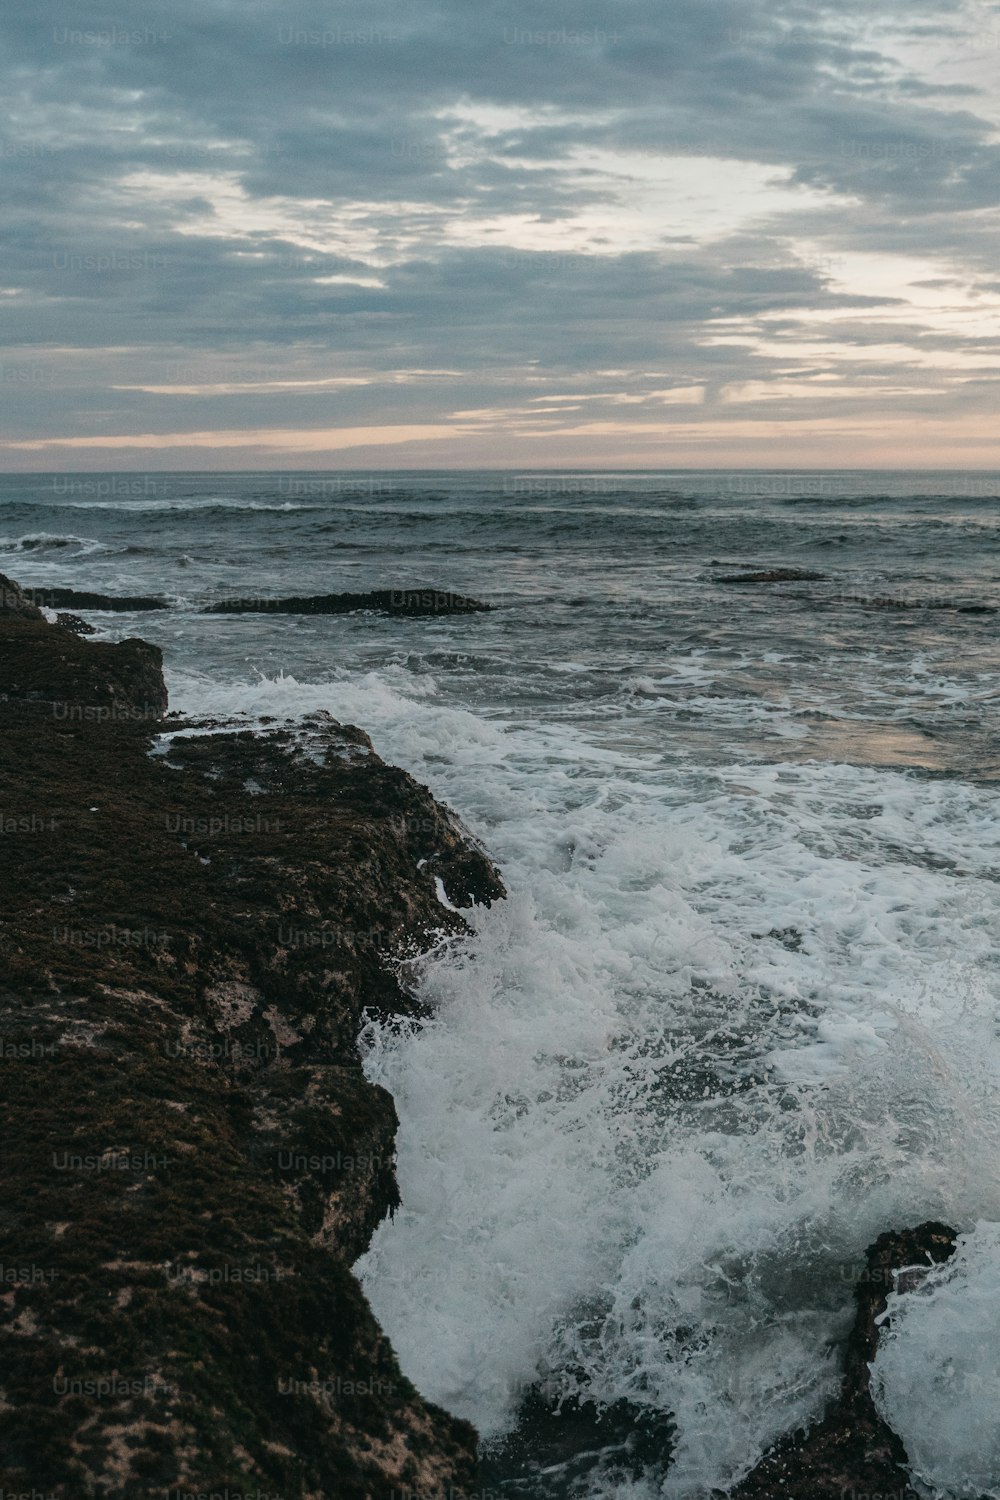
x=193, y=1157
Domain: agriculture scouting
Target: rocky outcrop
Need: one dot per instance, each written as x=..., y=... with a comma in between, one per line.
x=193, y=924
x=14, y=602
x=74, y=623
x=382, y=601
x=852, y=1452
x=52, y=598
x=47, y=664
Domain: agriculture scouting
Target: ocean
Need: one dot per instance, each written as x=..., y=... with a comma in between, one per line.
x=741, y=1011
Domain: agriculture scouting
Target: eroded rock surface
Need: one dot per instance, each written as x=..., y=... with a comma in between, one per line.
x=76, y=679
x=192, y=1157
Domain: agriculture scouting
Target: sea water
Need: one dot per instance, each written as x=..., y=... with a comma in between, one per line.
x=740, y=1011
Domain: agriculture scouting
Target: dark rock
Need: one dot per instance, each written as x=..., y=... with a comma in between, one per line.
x=193, y=1157
x=383, y=601
x=44, y=663
x=14, y=601
x=773, y=575
x=852, y=1451
x=52, y=598
x=74, y=623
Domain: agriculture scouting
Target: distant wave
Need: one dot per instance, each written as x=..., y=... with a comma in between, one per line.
x=201, y=502
x=836, y=500
x=45, y=541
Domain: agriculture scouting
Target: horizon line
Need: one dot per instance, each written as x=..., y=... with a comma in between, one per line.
x=531, y=469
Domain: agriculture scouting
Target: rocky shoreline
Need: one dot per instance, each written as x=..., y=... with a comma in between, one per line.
x=193, y=922
x=192, y=1155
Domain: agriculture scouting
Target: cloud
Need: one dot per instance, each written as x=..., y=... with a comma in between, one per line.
x=230, y=219
x=290, y=441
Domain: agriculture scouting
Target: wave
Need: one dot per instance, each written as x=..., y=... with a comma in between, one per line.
x=199, y=503
x=46, y=541
x=843, y=501
x=729, y=1025
x=935, y=1376
x=646, y=1137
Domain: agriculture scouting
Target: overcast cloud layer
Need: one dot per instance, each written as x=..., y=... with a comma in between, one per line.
x=422, y=233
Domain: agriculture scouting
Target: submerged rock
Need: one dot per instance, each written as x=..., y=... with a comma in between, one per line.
x=852, y=1452
x=560, y=1446
x=384, y=601
x=890, y=601
x=193, y=1157
x=772, y=575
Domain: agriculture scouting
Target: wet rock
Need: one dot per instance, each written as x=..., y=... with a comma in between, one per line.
x=773, y=575
x=76, y=679
x=558, y=1446
x=14, y=601
x=852, y=1451
x=52, y=598
x=383, y=601
x=74, y=623
x=193, y=1157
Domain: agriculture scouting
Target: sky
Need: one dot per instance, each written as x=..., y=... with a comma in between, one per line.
x=271, y=234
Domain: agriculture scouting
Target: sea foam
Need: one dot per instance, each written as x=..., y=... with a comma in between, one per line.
x=936, y=1376
x=728, y=1027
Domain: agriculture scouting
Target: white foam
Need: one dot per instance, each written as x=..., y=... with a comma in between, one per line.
x=37, y=542
x=192, y=502
x=643, y=1138
x=936, y=1376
